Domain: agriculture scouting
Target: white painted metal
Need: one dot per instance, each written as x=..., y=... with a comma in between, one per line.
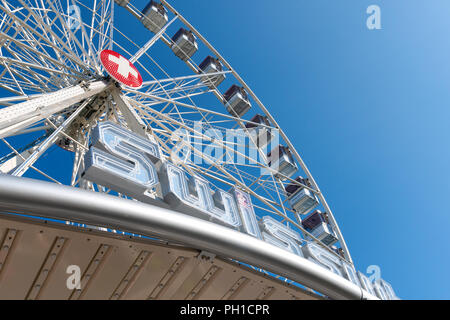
x=151, y=42
x=39, y=252
x=23, y=167
x=17, y=160
x=24, y=114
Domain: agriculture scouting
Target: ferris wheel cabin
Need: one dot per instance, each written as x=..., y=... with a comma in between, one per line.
x=301, y=199
x=282, y=162
x=259, y=130
x=184, y=44
x=154, y=16
x=122, y=3
x=236, y=101
x=211, y=65
x=317, y=224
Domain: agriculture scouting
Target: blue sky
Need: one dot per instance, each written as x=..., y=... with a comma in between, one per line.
x=367, y=109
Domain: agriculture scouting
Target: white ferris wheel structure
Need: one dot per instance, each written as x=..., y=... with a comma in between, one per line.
x=55, y=91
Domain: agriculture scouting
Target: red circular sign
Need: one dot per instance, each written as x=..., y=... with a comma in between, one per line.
x=120, y=68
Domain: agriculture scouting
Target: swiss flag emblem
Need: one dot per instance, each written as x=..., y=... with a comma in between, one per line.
x=120, y=68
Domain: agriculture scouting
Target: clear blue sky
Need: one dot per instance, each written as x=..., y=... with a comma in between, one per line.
x=368, y=111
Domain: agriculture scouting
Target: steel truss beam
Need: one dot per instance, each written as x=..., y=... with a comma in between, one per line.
x=22, y=115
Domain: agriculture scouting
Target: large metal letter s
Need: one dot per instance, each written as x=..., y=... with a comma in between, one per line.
x=123, y=161
x=279, y=235
x=322, y=257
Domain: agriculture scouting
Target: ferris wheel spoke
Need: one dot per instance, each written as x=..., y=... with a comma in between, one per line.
x=44, y=17
x=201, y=110
x=33, y=55
x=23, y=167
x=44, y=14
x=229, y=153
x=18, y=87
x=63, y=29
x=17, y=23
x=61, y=47
x=26, y=36
x=167, y=134
x=260, y=183
x=44, y=52
x=79, y=151
x=179, y=91
x=169, y=86
x=19, y=158
x=177, y=80
x=11, y=73
x=105, y=11
x=151, y=42
x=90, y=59
x=14, y=159
x=102, y=22
x=257, y=183
x=192, y=131
x=168, y=103
x=6, y=85
x=28, y=73
x=157, y=101
x=183, y=91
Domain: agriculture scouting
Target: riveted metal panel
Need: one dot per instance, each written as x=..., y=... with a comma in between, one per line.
x=114, y=266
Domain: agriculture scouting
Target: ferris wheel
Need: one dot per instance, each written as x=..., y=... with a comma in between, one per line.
x=69, y=73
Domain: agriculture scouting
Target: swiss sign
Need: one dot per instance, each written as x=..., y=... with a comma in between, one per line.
x=120, y=68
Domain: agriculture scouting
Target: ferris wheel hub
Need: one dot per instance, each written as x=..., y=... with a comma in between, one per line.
x=121, y=69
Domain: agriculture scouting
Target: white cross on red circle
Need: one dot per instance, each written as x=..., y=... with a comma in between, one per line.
x=120, y=68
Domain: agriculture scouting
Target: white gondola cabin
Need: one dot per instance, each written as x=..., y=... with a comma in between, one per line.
x=317, y=224
x=184, y=44
x=211, y=65
x=236, y=101
x=122, y=3
x=281, y=162
x=260, y=131
x=301, y=199
x=154, y=16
